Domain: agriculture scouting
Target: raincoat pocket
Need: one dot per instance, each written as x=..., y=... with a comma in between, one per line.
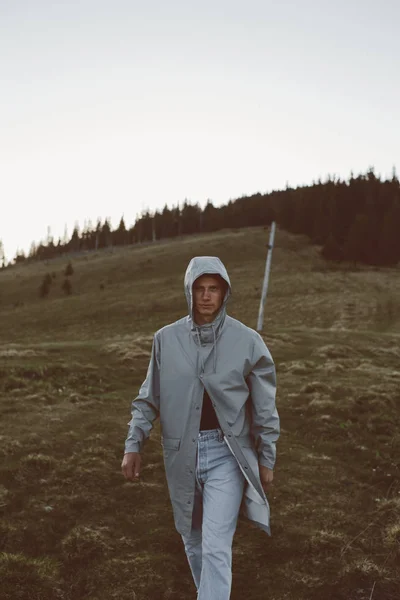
x=246, y=441
x=171, y=443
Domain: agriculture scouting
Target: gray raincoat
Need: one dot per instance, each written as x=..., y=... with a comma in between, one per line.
x=232, y=362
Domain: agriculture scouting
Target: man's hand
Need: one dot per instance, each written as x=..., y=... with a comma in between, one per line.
x=131, y=465
x=266, y=476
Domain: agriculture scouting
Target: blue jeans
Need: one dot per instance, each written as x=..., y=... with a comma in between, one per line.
x=219, y=491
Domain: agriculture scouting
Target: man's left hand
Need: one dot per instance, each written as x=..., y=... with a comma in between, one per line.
x=266, y=476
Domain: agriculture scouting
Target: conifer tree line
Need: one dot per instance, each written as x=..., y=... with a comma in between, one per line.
x=355, y=220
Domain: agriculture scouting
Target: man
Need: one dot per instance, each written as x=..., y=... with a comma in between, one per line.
x=211, y=380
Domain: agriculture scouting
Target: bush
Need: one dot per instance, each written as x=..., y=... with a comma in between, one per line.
x=67, y=286
x=44, y=288
x=69, y=270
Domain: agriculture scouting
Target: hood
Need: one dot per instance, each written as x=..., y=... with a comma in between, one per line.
x=202, y=265
x=209, y=332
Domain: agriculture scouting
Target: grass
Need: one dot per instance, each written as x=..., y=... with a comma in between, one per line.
x=71, y=528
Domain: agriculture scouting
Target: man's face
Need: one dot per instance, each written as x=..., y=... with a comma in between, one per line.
x=208, y=296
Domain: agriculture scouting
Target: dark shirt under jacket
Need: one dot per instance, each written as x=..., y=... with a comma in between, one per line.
x=208, y=417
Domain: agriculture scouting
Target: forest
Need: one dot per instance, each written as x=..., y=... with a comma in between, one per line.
x=356, y=220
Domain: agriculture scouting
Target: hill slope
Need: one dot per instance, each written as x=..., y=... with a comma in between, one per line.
x=71, y=528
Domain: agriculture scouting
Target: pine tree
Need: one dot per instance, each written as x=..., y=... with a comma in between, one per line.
x=210, y=217
x=355, y=247
x=190, y=217
x=69, y=270
x=120, y=235
x=33, y=251
x=97, y=232
x=75, y=241
x=19, y=257
x=105, y=239
x=389, y=243
x=166, y=223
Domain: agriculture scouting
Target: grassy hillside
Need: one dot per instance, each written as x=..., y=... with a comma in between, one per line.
x=72, y=528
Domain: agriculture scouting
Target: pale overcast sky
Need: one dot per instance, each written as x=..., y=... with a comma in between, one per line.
x=111, y=107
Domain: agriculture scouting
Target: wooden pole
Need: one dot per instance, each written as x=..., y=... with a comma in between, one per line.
x=266, y=278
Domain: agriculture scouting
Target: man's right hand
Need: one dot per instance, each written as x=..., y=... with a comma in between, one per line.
x=131, y=465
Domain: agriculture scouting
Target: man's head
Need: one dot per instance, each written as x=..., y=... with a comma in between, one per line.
x=208, y=296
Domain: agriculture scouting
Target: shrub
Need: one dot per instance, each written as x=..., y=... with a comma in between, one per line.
x=69, y=270
x=44, y=288
x=67, y=286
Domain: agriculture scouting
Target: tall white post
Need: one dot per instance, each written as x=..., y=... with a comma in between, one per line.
x=266, y=278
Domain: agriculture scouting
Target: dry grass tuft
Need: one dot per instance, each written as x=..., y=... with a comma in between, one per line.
x=391, y=537
x=38, y=462
x=9, y=446
x=335, y=351
x=297, y=367
x=331, y=367
x=316, y=387
x=9, y=352
x=365, y=567
x=130, y=351
x=85, y=543
x=24, y=578
x=321, y=401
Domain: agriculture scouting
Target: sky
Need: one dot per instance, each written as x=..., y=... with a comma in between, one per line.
x=108, y=109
